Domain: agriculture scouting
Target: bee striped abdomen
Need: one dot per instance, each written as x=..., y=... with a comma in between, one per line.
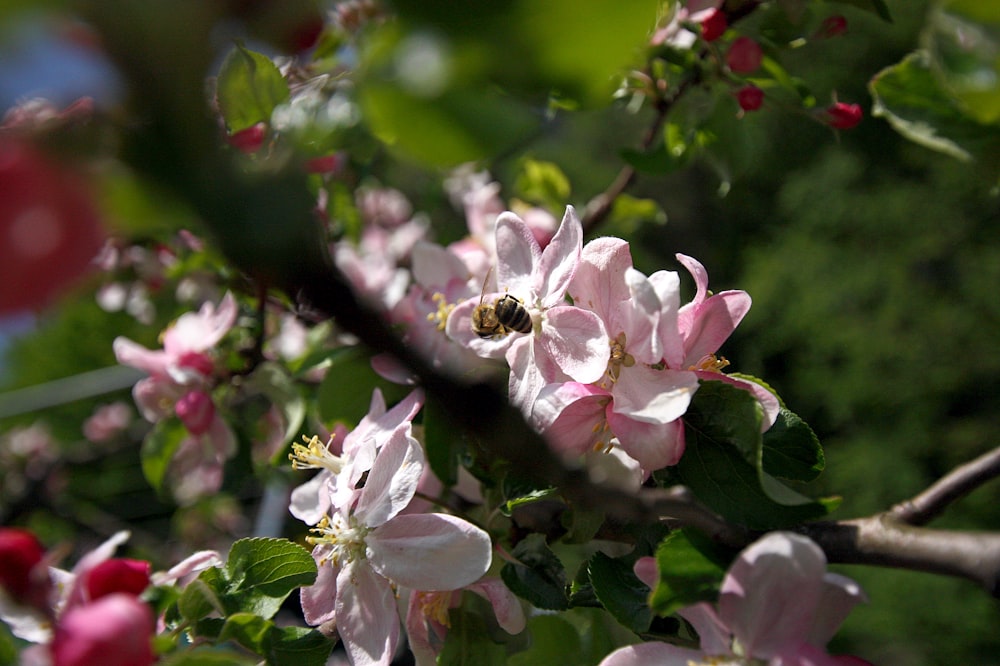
x=512, y=314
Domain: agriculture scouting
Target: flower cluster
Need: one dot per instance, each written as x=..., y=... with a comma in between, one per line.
x=619, y=363
x=371, y=545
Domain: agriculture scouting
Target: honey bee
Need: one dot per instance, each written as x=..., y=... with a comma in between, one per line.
x=506, y=314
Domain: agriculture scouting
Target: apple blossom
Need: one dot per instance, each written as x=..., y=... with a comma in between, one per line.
x=367, y=547
x=115, y=630
x=334, y=485
x=565, y=340
x=777, y=605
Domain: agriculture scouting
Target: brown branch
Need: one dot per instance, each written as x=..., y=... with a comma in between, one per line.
x=929, y=504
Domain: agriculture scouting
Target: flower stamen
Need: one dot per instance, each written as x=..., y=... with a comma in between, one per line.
x=440, y=317
x=710, y=363
x=315, y=455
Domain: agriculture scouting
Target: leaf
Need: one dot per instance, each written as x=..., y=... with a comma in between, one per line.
x=273, y=381
x=540, y=577
x=686, y=575
x=262, y=572
x=249, y=630
x=542, y=183
x=911, y=99
x=200, y=597
x=554, y=642
x=791, y=449
x=346, y=390
x=208, y=656
x=963, y=38
x=158, y=450
x=299, y=646
x=248, y=88
x=620, y=591
x=468, y=643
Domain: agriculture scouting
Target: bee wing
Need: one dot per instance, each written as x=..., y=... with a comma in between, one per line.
x=486, y=283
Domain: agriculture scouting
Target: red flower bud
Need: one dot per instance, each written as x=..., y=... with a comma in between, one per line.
x=118, y=575
x=841, y=115
x=196, y=411
x=249, y=140
x=750, y=98
x=112, y=631
x=325, y=164
x=832, y=26
x=20, y=552
x=714, y=25
x=744, y=55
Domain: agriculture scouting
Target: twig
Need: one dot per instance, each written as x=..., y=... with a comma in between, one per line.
x=929, y=504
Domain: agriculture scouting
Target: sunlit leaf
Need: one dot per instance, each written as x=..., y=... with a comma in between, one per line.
x=248, y=89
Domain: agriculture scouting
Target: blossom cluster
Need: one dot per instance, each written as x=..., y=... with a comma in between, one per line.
x=372, y=542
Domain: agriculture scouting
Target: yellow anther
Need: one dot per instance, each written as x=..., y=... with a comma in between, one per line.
x=440, y=316
x=710, y=363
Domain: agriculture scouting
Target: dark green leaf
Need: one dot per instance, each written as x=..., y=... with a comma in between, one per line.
x=158, y=450
x=249, y=630
x=346, y=391
x=686, y=575
x=207, y=656
x=299, y=646
x=554, y=642
x=201, y=597
x=468, y=643
x=540, y=577
x=963, y=37
x=620, y=591
x=791, y=449
x=249, y=87
x=262, y=572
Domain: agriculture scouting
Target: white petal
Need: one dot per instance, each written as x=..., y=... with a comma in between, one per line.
x=367, y=619
x=392, y=480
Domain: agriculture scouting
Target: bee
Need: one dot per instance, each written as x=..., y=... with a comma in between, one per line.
x=505, y=315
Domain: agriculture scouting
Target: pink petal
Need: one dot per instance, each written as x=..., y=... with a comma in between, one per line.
x=654, y=445
x=192, y=564
x=840, y=596
x=577, y=341
x=770, y=594
x=597, y=283
x=429, y=551
x=667, y=285
x=653, y=654
x=571, y=415
x=318, y=599
x=530, y=370
x=518, y=255
x=201, y=331
x=137, y=356
x=639, y=316
x=699, y=274
x=768, y=401
x=509, y=614
x=311, y=500
x=559, y=260
x=713, y=635
x=434, y=266
x=367, y=619
x=418, y=632
x=646, y=570
x=392, y=480
x=653, y=396
x=706, y=326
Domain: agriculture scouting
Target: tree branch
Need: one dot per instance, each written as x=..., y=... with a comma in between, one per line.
x=965, y=478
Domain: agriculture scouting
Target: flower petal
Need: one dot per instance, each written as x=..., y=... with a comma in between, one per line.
x=706, y=326
x=317, y=600
x=770, y=594
x=137, y=356
x=506, y=607
x=518, y=255
x=597, y=283
x=311, y=500
x=653, y=396
x=559, y=261
x=654, y=445
x=571, y=415
x=367, y=619
x=392, y=480
x=577, y=341
x=653, y=654
x=668, y=291
x=840, y=595
x=429, y=551
x=530, y=370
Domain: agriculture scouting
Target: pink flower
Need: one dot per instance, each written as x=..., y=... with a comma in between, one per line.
x=427, y=622
x=642, y=393
x=677, y=32
x=196, y=411
x=565, y=340
x=367, y=548
x=334, y=485
x=112, y=631
x=107, y=421
x=777, y=606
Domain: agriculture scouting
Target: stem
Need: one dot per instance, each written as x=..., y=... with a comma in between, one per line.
x=965, y=478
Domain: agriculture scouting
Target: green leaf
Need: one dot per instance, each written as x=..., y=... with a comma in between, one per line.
x=542, y=183
x=964, y=40
x=791, y=449
x=620, y=591
x=910, y=97
x=261, y=572
x=686, y=575
x=468, y=643
x=554, y=642
x=248, y=88
x=249, y=630
x=540, y=577
x=208, y=656
x=346, y=391
x=299, y=646
x=445, y=445
x=273, y=381
x=657, y=161
x=158, y=450
x=722, y=463
x=201, y=597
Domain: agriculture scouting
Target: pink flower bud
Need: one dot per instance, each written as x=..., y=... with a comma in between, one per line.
x=750, y=98
x=196, y=411
x=325, y=164
x=714, y=25
x=198, y=361
x=744, y=55
x=20, y=553
x=112, y=631
x=118, y=575
x=841, y=115
x=832, y=26
x=249, y=140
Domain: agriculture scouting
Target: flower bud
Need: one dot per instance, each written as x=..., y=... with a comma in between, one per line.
x=249, y=140
x=841, y=115
x=118, y=575
x=112, y=631
x=196, y=411
x=744, y=55
x=20, y=554
x=750, y=98
x=832, y=26
x=714, y=25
